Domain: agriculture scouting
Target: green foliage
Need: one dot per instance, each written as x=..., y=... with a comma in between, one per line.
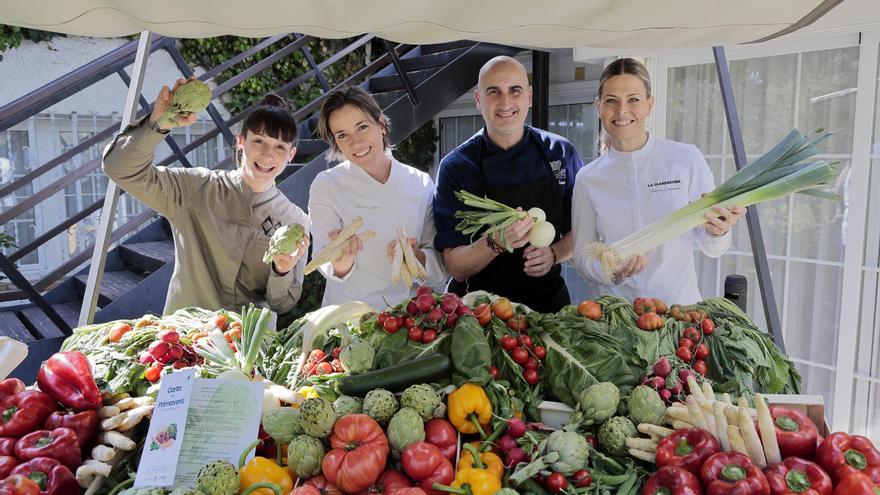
x=419, y=147
x=12, y=36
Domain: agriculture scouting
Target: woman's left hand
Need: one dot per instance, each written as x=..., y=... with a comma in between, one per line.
x=723, y=220
x=538, y=261
x=283, y=263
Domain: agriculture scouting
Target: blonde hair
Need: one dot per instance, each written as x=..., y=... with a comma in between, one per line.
x=623, y=66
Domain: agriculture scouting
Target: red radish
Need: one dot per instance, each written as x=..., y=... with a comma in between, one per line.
x=429, y=335
x=424, y=289
x=435, y=315
x=146, y=358
x=516, y=427
x=532, y=364
x=448, y=305
x=412, y=308
x=662, y=367
x=179, y=364
x=494, y=372
x=464, y=310
x=169, y=336
x=507, y=443
x=540, y=351
x=677, y=388
x=175, y=352
x=665, y=394
x=425, y=302
x=514, y=456
x=683, y=375
x=658, y=382
x=508, y=342
x=451, y=318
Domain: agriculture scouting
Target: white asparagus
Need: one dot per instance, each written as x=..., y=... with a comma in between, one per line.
x=334, y=248
x=750, y=437
x=657, y=432
x=737, y=444
x=114, y=401
x=721, y=425
x=396, y=261
x=726, y=399
x=695, y=389
x=697, y=418
x=406, y=276
x=108, y=412
x=709, y=417
x=644, y=444
x=134, y=417
x=645, y=456
x=679, y=413
x=708, y=392
x=101, y=468
x=132, y=402
x=345, y=234
x=103, y=453
x=114, y=422
x=768, y=431
x=409, y=256
x=117, y=440
x=681, y=425
x=85, y=475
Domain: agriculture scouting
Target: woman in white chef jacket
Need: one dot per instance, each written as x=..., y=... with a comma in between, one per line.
x=373, y=185
x=639, y=179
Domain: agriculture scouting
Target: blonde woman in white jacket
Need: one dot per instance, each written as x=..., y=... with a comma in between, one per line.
x=639, y=179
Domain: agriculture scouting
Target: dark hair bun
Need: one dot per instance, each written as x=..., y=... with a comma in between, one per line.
x=273, y=100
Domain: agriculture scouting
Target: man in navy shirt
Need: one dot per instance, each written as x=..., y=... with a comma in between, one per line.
x=519, y=166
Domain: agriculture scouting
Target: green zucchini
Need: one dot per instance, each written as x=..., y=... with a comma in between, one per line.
x=396, y=378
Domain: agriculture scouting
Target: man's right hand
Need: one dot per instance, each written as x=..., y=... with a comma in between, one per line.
x=162, y=102
x=517, y=234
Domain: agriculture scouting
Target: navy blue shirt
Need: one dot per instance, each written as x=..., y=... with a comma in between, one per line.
x=522, y=164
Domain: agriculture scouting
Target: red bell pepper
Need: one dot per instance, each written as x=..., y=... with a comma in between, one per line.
x=687, y=448
x=7, y=464
x=11, y=386
x=856, y=483
x=67, y=377
x=672, y=480
x=728, y=473
x=18, y=485
x=84, y=423
x=426, y=465
x=840, y=453
x=441, y=433
x=60, y=444
x=51, y=476
x=796, y=476
x=796, y=434
x=24, y=412
x=7, y=446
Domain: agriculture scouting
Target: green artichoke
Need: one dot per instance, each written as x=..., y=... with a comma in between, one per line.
x=422, y=398
x=282, y=424
x=217, y=478
x=614, y=432
x=506, y=491
x=192, y=97
x=380, y=405
x=304, y=456
x=597, y=403
x=145, y=490
x=573, y=451
x=284, y=241
x=185, y=490
x=646, y=406
x=405, y=427
x=356, y=356
x=345, y=405
x=317, y=417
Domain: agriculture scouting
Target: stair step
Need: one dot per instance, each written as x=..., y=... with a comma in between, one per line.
x=11, y=326
x=310, y=146
x=148, y=256
x=445, y=47
x=387, y=98
x=438, y=59
x=113, y=285
x=42, y=325
x=393, y=82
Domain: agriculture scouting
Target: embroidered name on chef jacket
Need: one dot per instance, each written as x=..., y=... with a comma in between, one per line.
x=560, y=173
x=664, y=185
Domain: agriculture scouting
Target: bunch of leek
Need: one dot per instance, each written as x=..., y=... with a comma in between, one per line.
x=493, y=217
x=780, y=172
x=228, y=363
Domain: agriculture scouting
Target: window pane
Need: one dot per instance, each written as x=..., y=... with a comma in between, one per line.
x=695, y=113
x=828, y=84
x=872, y=237
x=813, y=315
x=817, y=224
x=764, y=90
x=15, y=163
x=734, y=264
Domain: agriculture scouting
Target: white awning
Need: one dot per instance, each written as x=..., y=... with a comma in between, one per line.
x=628, y=24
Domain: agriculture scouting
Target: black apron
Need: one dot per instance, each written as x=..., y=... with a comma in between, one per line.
x=505, y=274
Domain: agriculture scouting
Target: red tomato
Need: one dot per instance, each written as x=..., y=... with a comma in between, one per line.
x=532, y=364
x=483, y=314
x=118, y=330
x=686, y=343
x=382, y=317
x=531, y=376
x=494, y=372
x=540, y=351
x=391, y=324
x=409, y=322
x=527, y=341
x=700, y=367
x=691, y=333
x=556, y=482
x=590, y=309
x=359, y=453
x=440, y=433
x=153, y=373
x=429, y=335
x=503, y=308
x=508, y=342
x=520, y=355
x=684, y=354
x=415, y=334
x=702, y=351
x=324, y=368
x=582, y=478
x=708, y=326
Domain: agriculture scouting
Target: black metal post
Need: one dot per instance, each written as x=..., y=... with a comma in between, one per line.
x=739, y=155
x=540, y=89
x=322, y=81
x=407, y=84
x=22, y=283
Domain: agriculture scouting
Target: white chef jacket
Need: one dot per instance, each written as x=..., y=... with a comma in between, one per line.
x=622, y=192
x=346, y=191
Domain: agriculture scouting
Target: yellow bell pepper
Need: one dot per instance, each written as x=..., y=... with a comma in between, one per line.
x=469, y=409
x=260, y=469
x=477, y=481
x=488, y=461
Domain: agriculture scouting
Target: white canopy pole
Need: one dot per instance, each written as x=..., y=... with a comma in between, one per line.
x=108, y=211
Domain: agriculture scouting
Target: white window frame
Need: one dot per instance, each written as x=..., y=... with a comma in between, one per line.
x=853, y=265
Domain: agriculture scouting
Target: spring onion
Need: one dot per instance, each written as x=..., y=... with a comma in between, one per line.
x=492, y=217
x=780, y=172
